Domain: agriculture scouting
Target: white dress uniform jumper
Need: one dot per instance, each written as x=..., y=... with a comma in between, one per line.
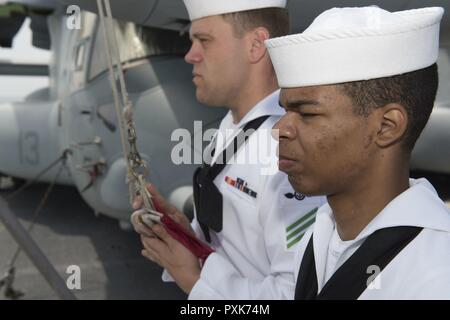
x=253, y=221
x=404, y=252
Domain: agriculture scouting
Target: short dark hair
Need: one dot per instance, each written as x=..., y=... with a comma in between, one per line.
x=275, y=20
x=415, y=91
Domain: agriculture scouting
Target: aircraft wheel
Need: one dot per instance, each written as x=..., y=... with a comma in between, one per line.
x=125, y=226
x=8, y=183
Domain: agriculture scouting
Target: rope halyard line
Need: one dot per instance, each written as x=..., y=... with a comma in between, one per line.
x=38, y=210
x=8, y=279
x=136, y=182
x=113, y=79
x=40, y=174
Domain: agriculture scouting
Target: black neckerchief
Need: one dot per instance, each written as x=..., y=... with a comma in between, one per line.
x=207, y=198
x=350, y=280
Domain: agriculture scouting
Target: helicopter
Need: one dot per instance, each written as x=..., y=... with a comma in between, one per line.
x=76, y=112
x=74, y=116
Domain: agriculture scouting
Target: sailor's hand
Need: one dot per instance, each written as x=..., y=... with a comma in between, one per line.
x=170, y=209
x=170, y=254
x=139, y=224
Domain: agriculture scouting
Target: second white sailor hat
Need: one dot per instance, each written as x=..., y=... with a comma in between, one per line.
x=354, y=44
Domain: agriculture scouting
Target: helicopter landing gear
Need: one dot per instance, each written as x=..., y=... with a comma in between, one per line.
x=125, y=226
x=8, y=183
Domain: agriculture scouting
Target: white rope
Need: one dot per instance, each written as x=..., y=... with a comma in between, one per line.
x=134, y=186
x=135, y=181
x=113, y=81
x=126, y=101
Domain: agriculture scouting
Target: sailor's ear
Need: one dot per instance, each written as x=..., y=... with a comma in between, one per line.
x=257, y=48
x=392, y=124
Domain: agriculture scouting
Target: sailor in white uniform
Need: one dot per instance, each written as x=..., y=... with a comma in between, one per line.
x=255, y=248
x=246, y=210
x=359, y=86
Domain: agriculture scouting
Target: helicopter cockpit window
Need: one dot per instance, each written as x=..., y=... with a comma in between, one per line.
x=80, y=51
x=137, y=43
x=80, y=54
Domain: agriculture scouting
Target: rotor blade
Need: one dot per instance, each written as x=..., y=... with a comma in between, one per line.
x=49, y=4
x=8, y=69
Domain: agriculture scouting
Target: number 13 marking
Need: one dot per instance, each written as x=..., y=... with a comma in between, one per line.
x=29, y=148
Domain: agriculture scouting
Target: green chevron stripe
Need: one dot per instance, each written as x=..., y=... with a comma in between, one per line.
x=302, y=219
x=295, y=241
x=302, y=228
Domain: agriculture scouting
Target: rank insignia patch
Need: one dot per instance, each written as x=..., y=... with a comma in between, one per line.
x=296, y=230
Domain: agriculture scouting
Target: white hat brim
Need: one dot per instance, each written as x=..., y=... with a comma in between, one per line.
x=355, y=55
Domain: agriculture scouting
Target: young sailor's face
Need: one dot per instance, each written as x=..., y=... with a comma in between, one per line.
x=218, y=59
x=323, y=145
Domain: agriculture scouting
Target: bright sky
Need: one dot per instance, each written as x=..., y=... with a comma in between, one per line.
x=16, y=88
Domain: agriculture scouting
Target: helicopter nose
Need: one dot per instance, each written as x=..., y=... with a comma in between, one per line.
x=28, y=138
x=9, y=138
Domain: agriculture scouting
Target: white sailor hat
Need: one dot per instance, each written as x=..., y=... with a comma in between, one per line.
x=198, y=9
x=354, y=44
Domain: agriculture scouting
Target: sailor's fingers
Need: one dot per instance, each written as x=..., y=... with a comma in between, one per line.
x=146, y=254
x=168, y=208
x=137, y=202
x=144, y=241
x=157, y=248
x=159, y=200
x=150, y=255
x=162, y=233
x=139, y=226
